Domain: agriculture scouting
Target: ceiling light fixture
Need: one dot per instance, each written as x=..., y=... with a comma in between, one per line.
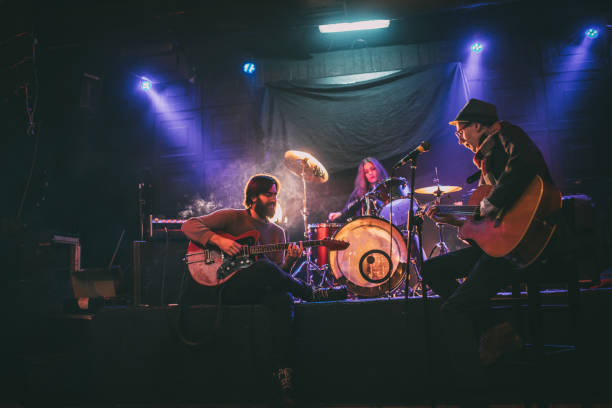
x=357, y=25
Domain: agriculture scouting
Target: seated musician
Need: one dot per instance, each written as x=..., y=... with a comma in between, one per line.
x=369, y=173
x=266, y=281
x=508, y=160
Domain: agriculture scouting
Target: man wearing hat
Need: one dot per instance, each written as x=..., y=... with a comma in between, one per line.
x=509, y=160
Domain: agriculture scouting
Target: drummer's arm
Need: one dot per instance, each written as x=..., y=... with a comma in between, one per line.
x=334, y=215
x=347, y=212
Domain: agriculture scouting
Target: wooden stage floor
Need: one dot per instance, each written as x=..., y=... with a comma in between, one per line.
x=350, y=353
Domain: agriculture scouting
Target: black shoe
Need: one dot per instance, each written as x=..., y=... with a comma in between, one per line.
x=326, y=294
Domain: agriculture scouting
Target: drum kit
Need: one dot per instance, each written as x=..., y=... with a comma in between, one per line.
x=375, y=264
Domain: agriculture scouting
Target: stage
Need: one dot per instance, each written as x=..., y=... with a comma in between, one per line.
x=348, y=352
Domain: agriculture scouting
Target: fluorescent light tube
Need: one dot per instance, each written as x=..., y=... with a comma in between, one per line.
x=357, y=25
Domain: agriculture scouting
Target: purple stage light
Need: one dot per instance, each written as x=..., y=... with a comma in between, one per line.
x=145, y=84
x=477, y=47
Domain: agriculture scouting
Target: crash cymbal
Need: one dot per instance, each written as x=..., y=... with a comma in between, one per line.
x=314, y=171
x=437, y=190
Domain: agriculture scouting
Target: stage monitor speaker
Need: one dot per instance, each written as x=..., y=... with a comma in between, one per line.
x=158, y=270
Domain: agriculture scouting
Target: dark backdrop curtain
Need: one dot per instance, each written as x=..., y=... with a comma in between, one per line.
x=384, y=117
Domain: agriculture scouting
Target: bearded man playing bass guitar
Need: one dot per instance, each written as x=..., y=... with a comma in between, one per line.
x=266, y=281
x=510, y=165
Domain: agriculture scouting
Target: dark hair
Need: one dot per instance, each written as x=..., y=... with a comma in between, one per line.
x=259, y=184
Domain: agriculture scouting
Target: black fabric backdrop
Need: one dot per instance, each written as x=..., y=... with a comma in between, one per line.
x=341, y=124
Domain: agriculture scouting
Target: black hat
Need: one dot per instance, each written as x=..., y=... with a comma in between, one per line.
x=476, y=110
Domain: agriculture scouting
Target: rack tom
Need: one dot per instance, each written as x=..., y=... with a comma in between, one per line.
x=393, y=188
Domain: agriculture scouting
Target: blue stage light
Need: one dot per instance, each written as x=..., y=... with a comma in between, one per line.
x=592, y=33
x=248, y=68
x=145, y=84
x=477, y=47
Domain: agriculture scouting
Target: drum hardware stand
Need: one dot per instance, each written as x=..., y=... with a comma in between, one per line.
x=440, y=245
x=303, y=164
x=310, y=266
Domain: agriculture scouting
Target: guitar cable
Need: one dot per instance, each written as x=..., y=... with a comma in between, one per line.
x=163, y=271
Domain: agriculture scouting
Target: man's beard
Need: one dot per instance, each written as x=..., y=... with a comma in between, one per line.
x=264, y=211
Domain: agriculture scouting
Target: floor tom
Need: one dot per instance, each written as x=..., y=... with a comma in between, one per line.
x=318, y=232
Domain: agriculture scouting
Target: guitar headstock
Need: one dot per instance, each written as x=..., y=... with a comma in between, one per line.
x=334, y=244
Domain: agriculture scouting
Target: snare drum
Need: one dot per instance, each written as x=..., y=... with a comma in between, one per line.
x=322, y=231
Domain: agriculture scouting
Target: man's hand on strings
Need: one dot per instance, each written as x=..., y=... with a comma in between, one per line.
x=293, y=252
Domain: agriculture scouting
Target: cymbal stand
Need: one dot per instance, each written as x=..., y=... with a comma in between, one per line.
x=440, y=245
x=310, y=266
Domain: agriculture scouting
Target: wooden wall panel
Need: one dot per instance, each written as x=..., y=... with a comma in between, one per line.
x=579, y=56
x=229, y=88
x=574, y=154
x=177, y=96
x=175, y=185
x=519, y=102
x=228, y=132
x=568, y=98
x=178, y=137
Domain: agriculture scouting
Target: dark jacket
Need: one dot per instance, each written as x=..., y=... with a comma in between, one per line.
x=509, y=162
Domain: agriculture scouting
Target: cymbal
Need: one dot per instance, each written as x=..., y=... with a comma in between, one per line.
x=314, y=171
x=434, y=190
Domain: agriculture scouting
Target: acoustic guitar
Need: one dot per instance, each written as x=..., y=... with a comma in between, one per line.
x=520, y=232
x=209, y=266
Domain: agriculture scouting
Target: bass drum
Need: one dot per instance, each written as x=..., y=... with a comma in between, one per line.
x=375, y=262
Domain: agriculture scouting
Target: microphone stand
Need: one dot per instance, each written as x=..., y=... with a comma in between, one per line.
x=416, y=227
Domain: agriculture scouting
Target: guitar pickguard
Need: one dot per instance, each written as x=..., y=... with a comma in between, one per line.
x=232, y=264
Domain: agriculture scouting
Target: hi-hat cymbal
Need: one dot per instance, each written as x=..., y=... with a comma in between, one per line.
x=314, y=171
x=437, y=190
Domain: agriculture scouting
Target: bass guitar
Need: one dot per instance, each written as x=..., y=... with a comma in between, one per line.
x=209, y=266
x=520, y=232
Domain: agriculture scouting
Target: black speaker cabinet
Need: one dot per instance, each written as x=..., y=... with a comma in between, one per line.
x=158, y=270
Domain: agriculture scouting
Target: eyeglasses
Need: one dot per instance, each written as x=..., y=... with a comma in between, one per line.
x=458, y=132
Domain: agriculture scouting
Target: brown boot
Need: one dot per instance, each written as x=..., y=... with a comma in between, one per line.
x=327, y=294
x=284, y=379
x=497, y=341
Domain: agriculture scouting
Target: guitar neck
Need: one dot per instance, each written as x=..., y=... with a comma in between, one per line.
x=458, y=209
x=267, y=248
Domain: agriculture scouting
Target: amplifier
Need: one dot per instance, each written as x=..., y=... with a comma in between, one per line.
x=158, y=270
x=165, y=228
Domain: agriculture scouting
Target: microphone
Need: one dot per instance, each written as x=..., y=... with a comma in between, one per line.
x=473, y=177
x=422, y=148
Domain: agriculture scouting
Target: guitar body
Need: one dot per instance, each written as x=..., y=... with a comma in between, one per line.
x=209, y=266
x=523, y=232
